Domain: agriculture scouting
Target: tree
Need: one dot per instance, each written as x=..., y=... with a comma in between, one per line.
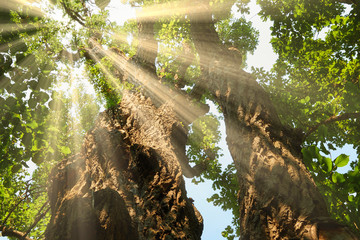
x=126, y=181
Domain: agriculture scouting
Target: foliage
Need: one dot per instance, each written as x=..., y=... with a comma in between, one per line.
x=24, y=201
x=315, y=87
x=22, y=98
x=36, y=116
x=238, y=33
x=340, y=189
x=314, y=82
x=202, y=149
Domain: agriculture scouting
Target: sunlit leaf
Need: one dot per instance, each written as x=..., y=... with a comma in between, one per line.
x=326, y=163
x=337, y=177
x=342, y=160
x=65, y=150
x=33, y=124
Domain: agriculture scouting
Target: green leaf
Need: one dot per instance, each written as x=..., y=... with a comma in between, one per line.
x=37, y=158
x=307, y=157
x=34, y=147
x=331, y=146
x=65, y=150
x=342, y=160
x=32, y=124
x=305, y=100
x=24, y=164
x=351, y=198
x=16, y=168
x=323, y=132
x=323, y=149
x=326, y=164
x=354, y=173
x=7, y=183
x=337, y=177
x=314, y=151
x=32, y=103
x=33, y=84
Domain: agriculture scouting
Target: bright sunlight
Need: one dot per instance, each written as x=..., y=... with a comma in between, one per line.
x=167, y=119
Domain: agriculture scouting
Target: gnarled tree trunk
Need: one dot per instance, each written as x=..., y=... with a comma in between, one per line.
x=127, y=182
x=278, y=198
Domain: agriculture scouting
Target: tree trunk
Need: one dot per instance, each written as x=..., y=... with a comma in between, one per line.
x=127, y=182
x=278, y=198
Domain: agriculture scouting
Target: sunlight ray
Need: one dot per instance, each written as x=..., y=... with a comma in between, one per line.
x=151, y=48
x=74, y=102
x=53, y=133
x=13, y=27
x=147, y=46
x=113, y=81
x=175, y=8
x=57, y=118
x=15, y=4
x=123, y=38
x=185, y=108
x=14, y=44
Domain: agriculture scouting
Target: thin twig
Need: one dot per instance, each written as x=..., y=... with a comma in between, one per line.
x=39, y=215
x=74, y=15
x=22, y=198
x=332, y=119
x=348, y=2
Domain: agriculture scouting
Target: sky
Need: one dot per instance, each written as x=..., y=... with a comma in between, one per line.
x=215, y=219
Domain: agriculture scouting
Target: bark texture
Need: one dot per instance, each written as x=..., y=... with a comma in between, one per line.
x=278, y=198
x=127, y=182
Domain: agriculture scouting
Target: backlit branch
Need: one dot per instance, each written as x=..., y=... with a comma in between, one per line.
x=74, y=15
x=21, y=198
x=10, y=232
x=40, y=215
x=332, y=119
x=348, y=1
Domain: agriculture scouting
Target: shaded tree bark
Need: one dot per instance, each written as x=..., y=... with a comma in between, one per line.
x=127, y=182
x=278, y=198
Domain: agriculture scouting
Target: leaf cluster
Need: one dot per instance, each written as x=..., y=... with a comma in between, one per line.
x=341, y=189
x=37, y=116
x=314, y=82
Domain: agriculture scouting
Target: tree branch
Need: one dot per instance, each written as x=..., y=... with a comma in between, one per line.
x=21, y=198
x=348, y=2
x=332, y=119
x=74, y=15
x=10, y=232
x=39, y=215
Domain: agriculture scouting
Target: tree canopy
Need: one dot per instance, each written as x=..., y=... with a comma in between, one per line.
x=46, y=110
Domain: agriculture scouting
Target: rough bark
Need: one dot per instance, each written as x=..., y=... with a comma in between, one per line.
x=278, y=198
x=127, y=182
